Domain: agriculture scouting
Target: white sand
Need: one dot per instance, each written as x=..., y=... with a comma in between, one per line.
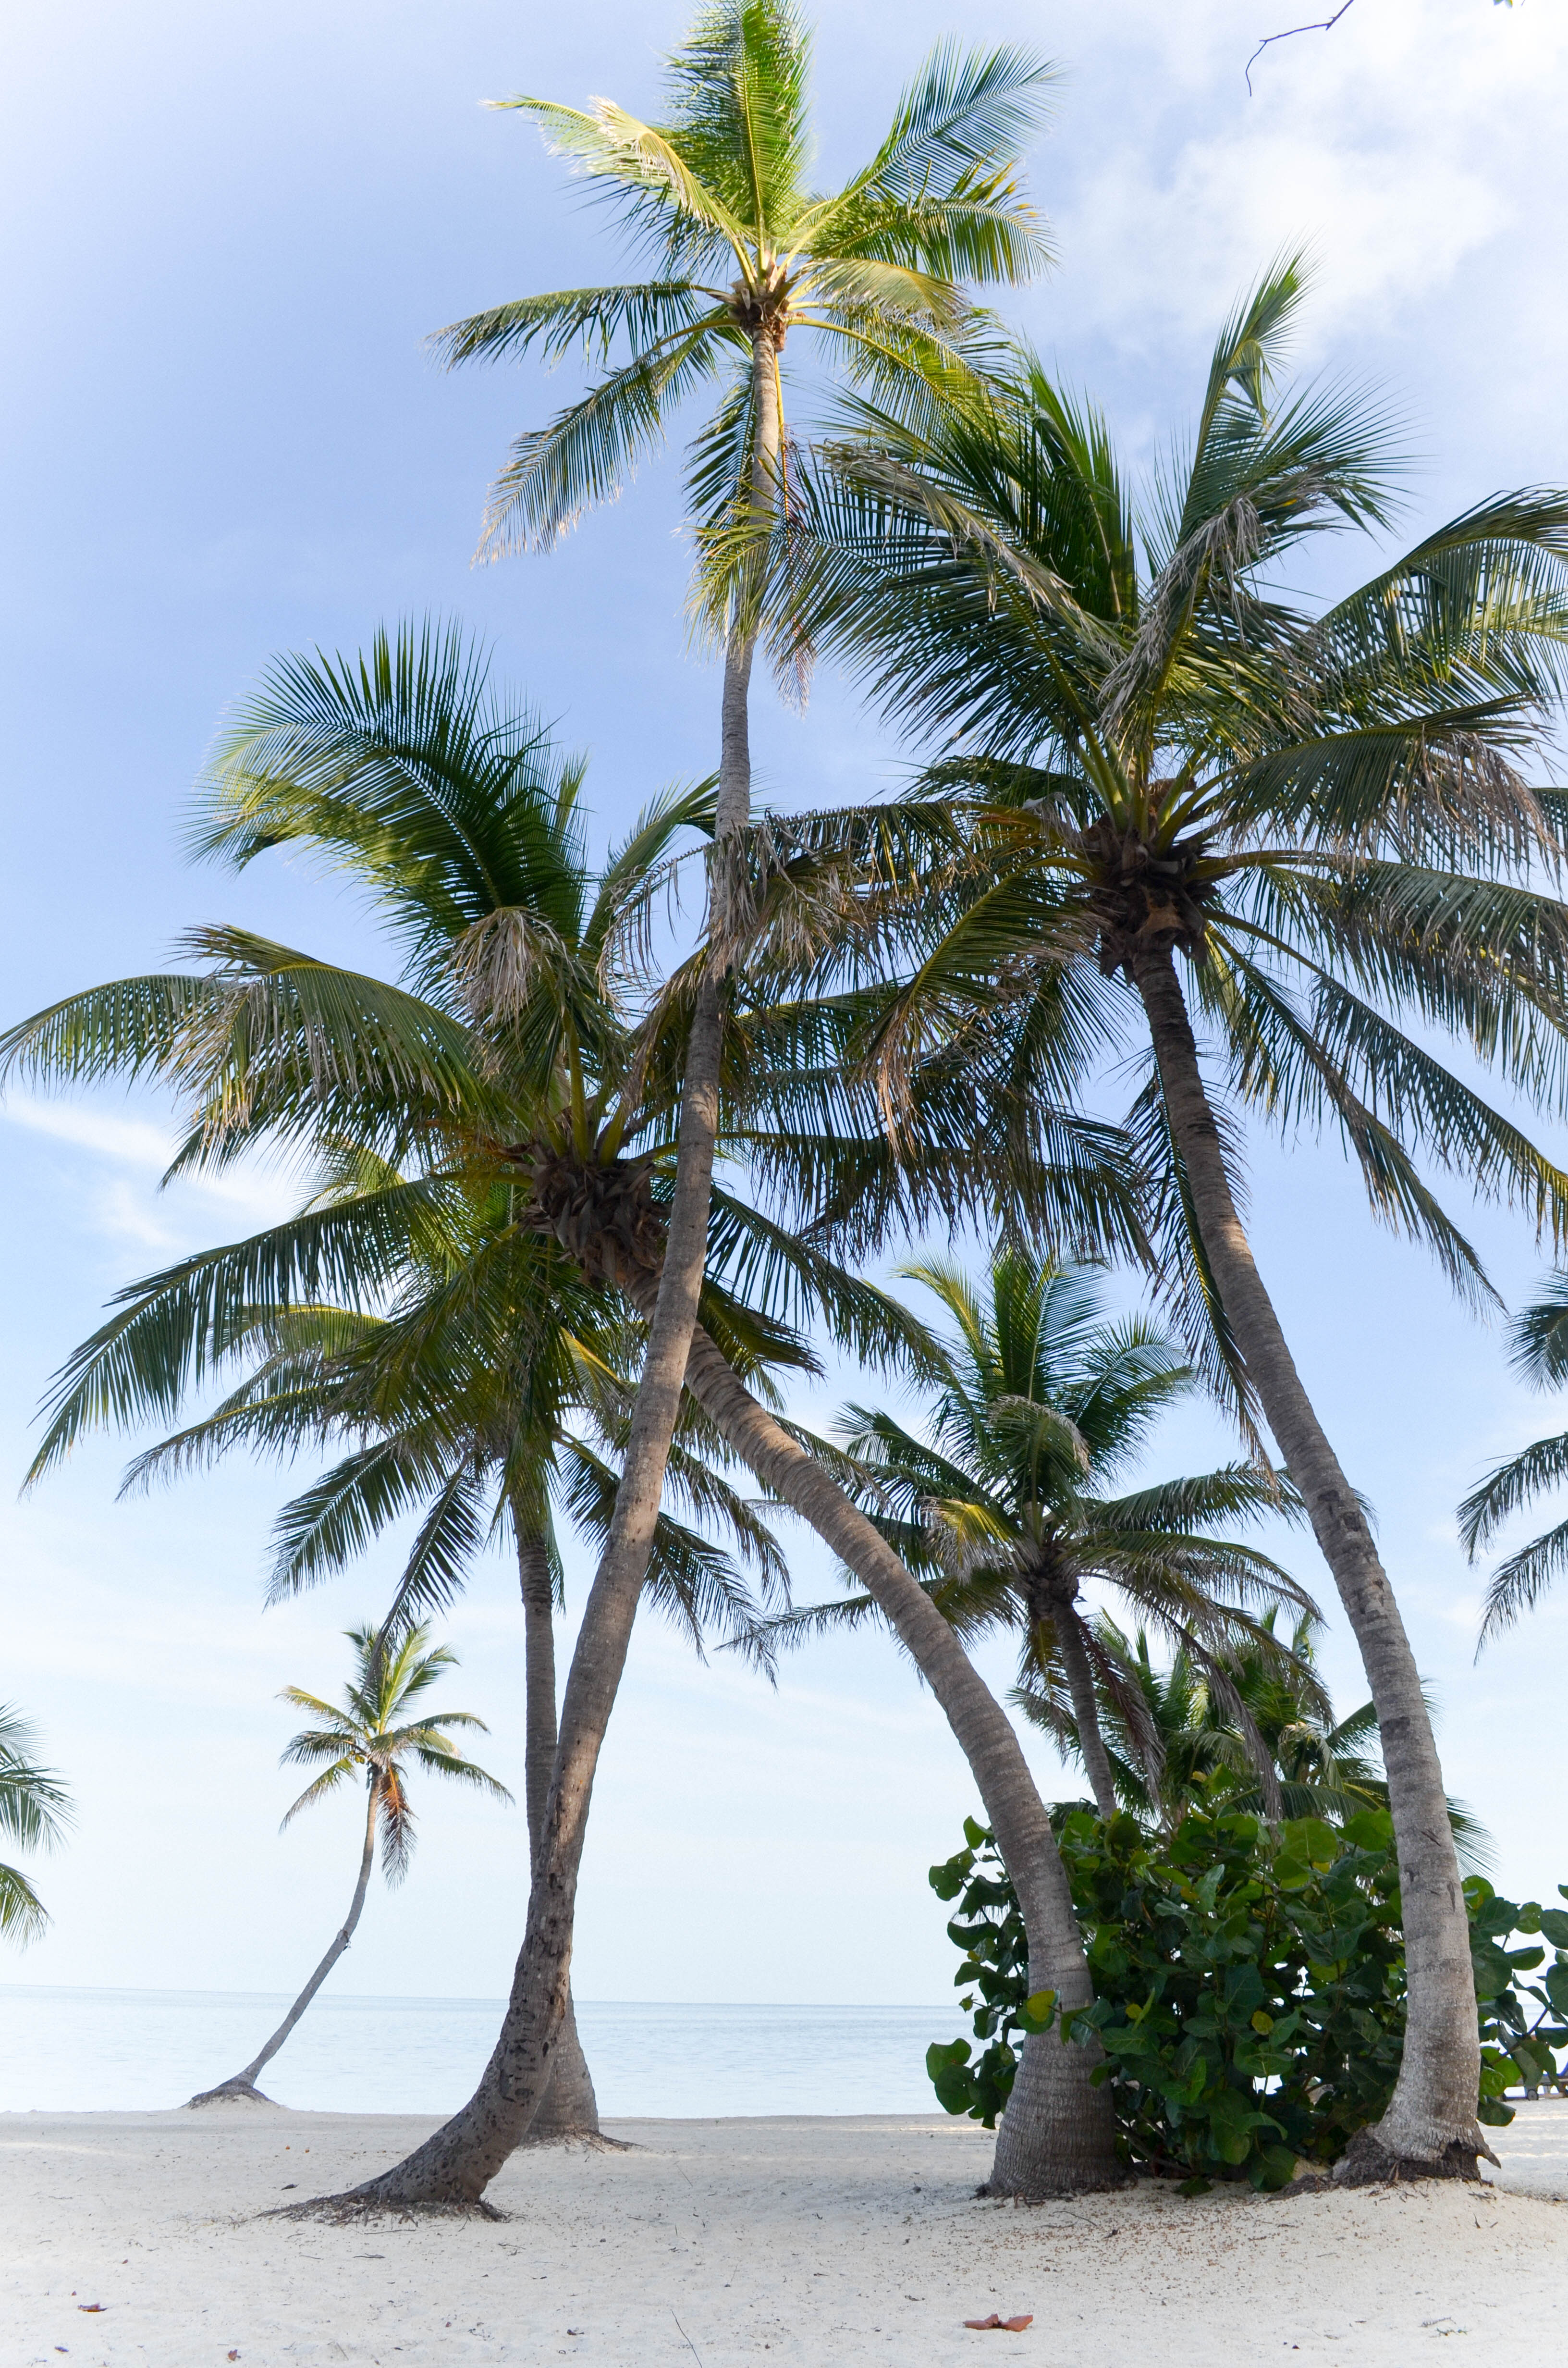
x=810, y=2242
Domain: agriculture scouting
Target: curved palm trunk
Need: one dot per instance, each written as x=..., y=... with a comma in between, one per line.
x=1085, y=1709
x=242, y=2084
x=1058, y=2134
x=1430, y=2126
x=458, y=2163
x=569, y=2107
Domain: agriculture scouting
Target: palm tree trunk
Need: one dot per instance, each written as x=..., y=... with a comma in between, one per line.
x=458, y=2163
x=1086, y=1709
x=1430, y=2126
x=242, y=2084
x=569, y=2107
x=1058, y=2134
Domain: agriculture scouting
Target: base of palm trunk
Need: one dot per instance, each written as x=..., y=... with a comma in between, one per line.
x=569, y=2108
x=1058, y=2134
x=1368, y=2161
x=582, y=2134
x=355, y=2209
x=229, y=2092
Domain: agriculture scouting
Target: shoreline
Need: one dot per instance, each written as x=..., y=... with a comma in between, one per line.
x=822, y=2241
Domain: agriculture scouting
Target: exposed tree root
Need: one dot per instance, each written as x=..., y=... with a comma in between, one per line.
x=355, y=2211
x=591, y=2141
x=1109, y=2185
x=231, y=2092
x=1367, y=2162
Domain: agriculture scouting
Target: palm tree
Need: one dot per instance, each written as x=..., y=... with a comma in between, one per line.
x=1173, y=782
x=35, y=1810
x=507, y=1060
x=1322, y=1766
x=1540, y=1355
x=459, y=1409
x=1035, y=1405
x=362, y=1736
x=720, y=186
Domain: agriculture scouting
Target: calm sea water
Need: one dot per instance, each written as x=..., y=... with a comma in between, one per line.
x=77, y=2050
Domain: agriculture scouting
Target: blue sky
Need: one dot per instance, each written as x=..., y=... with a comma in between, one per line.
x=228, y=232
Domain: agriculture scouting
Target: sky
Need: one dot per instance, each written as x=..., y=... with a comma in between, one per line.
x=228, y=231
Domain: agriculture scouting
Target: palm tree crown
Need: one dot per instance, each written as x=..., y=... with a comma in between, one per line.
x=35, y=1809
x=368, y=1733
x=1037, y=1405
x=1540, y=1355
x=719, y=195
x=1161, y=755
x=1326, y=1767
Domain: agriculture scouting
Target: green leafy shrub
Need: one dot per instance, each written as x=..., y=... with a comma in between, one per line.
x=1249, y=1987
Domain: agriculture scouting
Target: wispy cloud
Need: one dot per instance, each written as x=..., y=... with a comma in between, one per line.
x=133, y=1206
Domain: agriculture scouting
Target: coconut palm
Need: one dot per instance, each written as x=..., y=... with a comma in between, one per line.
x=508, y=1058
x=1184, y=802
x=1540, y=1354
x=1322, y=1766
x=721, y=186
x=457, y=1409
x=35, y=1810
x=370, y=1735
x=1036, y=1406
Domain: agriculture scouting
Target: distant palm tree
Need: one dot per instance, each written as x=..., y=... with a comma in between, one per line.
x=1540, y=1353
x=1324, y=1767
x=363, y=1735
x=35, y=1809
x=1036, y=1404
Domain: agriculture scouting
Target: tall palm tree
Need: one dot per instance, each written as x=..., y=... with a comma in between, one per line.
x=35, y=1809
x=370, y=1735
x=1540, y=1355
x=507, y=1059
x=720, y=186
x=1176, y=787
x=1035, y=1405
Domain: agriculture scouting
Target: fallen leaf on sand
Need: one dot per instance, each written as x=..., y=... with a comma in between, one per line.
x=1013, y=2325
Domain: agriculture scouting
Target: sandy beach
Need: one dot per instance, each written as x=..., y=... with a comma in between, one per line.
x=812, y=2241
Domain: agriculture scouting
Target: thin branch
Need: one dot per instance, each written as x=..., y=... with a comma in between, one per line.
x=1323, y=25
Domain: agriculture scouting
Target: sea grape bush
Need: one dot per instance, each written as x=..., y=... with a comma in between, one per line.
x=1249, y=1987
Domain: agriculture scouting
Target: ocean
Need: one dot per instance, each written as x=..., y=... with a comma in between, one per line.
x=80, y=2050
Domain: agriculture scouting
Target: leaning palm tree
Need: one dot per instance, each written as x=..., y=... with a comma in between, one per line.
x=1183, y=803
x=35, y=1810
x=1034, y=1405
x=721, y=186
x=1540, y=1355
x=368, y=1734
x=488, y=1401
x=507, y=1060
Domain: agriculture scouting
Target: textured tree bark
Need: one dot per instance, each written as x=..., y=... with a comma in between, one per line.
x=569, y=2107
x=242, y=2084
x=1086, y=1709
x=1058, y=2135
x=458, y=2163
x=1430, y=2128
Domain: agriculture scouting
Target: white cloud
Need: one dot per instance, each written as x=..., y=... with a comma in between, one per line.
x=133, y=1207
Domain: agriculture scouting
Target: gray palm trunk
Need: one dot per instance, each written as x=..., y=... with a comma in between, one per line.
x=242, y=2084
x=1086, y=1709
x=458, y=2163
x=1430, y=2126
x=1058, y=2134
x=569, y=2107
